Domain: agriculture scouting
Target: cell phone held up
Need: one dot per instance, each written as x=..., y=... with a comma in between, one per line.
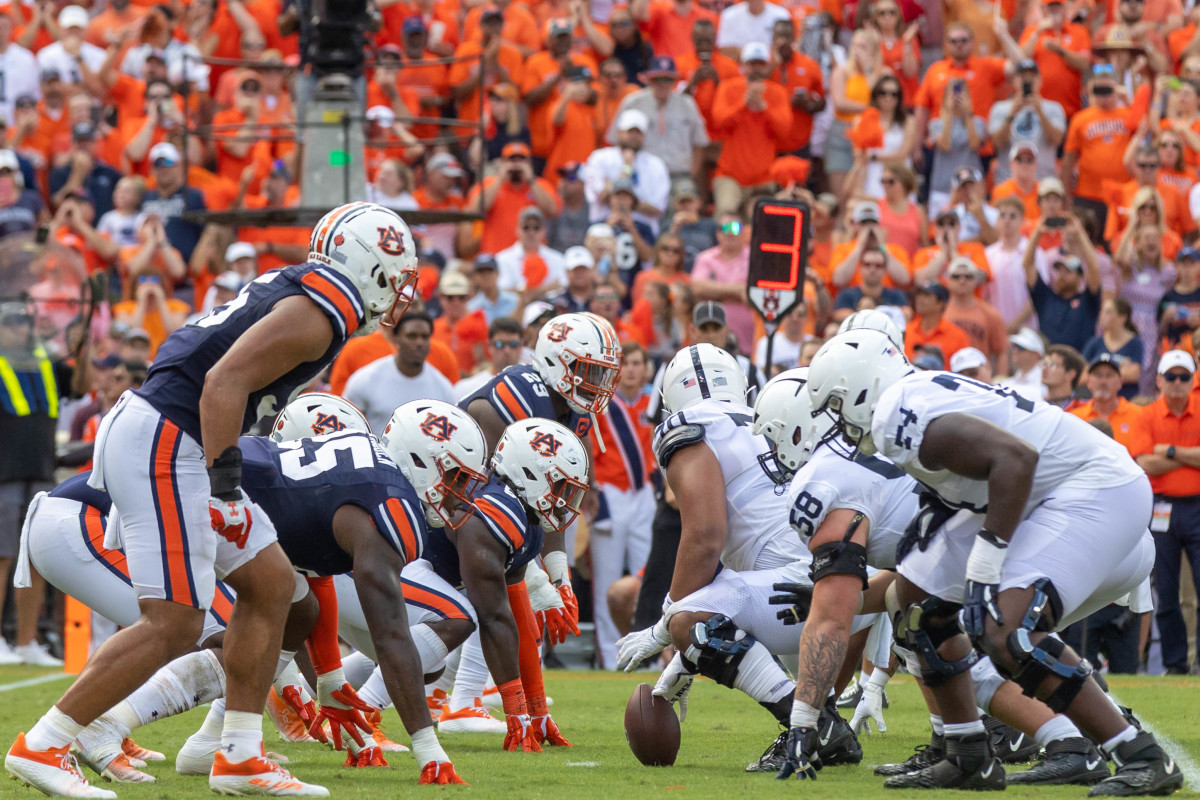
x=1056, y=222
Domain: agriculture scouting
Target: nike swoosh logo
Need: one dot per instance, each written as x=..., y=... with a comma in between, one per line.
x=988, y=772
x=1015, y=745
x=824, y=738
x=1170, y=765
x=1091, y=765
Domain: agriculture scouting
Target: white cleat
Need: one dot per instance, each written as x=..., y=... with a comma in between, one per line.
x=121, y=770
x=258, y=776
x=138, y=753
x=52, y=772
x=196, y=755
x=472, y=719
x=36, y=655
x=8, y=656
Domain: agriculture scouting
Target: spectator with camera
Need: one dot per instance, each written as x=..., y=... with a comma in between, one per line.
x=628, y=159
x=1028, y=117
x=871, y=269
x=867, y=236
x=1096, y=142
x=1068, y=306
x=505, y=195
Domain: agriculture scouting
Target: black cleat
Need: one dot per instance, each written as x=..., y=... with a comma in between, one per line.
x=1142, y=769
x=1075, y=760
x=1009, y=744
x=836, y=743
x=969, y=764
x=773, y=757
x=926, y=755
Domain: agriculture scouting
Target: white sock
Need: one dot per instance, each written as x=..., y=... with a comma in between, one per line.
x=374, y=691
x=287, y=658
x=472, y=675
x=936, y=721
x=358, y=669
x=804, y=715
x=180, y=686
x=430, y=647
x=214, y=721
x=242, y=738
x=1059, y=727
x=54, y=729
x=1126, y=735
x=446, y=681
x=761, y=677
x=961, y=729
x=290, y=676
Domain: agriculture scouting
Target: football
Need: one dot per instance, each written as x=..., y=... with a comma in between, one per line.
x=651, y=728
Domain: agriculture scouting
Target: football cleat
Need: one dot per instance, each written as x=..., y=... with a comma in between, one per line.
x=258, y=776
x=773, y=757
x=924, y=756
x=134, y=750
x=1009, y=744
x=291, y=728
x=1142, y=769
x=54, y=772
x=36, y=655
x=1075, y=760
x=850, y=695
x=836, y=743
x=121, y=769
x=375, y=720
x=969, y=764
x=436, y=702
x=197, y=754
x=472, y=719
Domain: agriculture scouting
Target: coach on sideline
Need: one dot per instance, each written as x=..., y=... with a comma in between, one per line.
x=1166, y=443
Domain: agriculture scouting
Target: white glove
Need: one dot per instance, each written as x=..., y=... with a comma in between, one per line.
x=542, y=596
x=870, y=707
x=640, y=645
x=674, y=684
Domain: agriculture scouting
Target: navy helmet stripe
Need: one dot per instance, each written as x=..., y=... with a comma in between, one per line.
x=701, y=378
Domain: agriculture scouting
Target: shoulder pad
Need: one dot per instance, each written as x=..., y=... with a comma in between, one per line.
x=671, y=438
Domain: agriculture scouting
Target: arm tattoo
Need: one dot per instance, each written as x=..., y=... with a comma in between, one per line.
x=821, y=656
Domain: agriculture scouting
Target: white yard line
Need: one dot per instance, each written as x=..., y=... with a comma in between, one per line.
x=8, y=687
x=1187, y=765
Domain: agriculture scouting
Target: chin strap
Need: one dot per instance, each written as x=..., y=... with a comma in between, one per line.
x=596, y=433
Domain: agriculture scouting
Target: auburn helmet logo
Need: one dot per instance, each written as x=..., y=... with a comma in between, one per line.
x=339, y=240
x=558, y=332
x=437, y=427
x=546, y=444
x=390, y=241
x=327, y=423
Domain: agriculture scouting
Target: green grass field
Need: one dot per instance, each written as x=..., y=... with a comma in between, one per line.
x=723, y=732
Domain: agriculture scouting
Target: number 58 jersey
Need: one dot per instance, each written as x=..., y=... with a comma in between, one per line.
x=301, y=484
x=756, y=509
x=1071, y=453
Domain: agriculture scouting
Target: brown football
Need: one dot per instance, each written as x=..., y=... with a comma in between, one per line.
x=651, y=728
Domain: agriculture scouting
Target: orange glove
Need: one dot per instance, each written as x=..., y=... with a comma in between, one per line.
x=520, y=734
x=557, y=624
x=306, y=711
x=544, y=730
x=439, y=772
x=571, y=604
x=342, y=707
x=367, y=757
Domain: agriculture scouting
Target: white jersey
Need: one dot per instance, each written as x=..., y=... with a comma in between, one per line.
x=756, y=513
x=880, y=490
x=1071, y=452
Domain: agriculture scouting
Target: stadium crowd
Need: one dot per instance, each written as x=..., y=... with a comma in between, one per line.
x=1014, y=182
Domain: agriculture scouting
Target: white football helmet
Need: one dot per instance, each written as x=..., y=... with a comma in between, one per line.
x=875, y=320
x=699, y=372
x=442, y=453
x=783, y=413
x=547, y=466
x=848, y=375
x=578, y=355
x=314, y=413
x=374, y=248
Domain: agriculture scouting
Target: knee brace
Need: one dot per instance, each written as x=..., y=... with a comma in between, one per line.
x=923, y=628
x=1041, y=660
x=987, y=680
x=717, y=649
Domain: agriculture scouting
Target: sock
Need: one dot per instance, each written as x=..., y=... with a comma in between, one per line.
x=290, y=676
x=1126, y=735
x=803, y=715
x=214, y=721
x=374, y=691
x=963, y=729
x=1059, y=727
x=446, y=682
x=431, y=648
x=761, y=677
x=180, y=686
x=242, y=738
x=54, y=729
x=287, y=659
x=358, y=669
x=938, y=727
x=472, y=675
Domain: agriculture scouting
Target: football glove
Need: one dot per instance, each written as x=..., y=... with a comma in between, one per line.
x=641, y=645
x=342, y=707
x=870, y=707
x=801, y=759
x=545, y=731
x=674, y=684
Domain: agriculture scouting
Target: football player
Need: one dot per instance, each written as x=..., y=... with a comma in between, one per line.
x=1026, y=561
x=168, y=455
x=735, y=545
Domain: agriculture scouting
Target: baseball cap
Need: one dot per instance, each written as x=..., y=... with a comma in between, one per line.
x=929, y=359
x=936, y=289
x=1070, y=262
x=946, y=214
x=1051, y=186
x=1022, y=147
x=866, y=211
x=1188, y=253
x=962, y=264
x=239, y=250
x=709, y=311
x=560, y=26
x=623, y=184
x=1110, y=359
x=157, y=53
x=755, y=51
x=51, y=75
x=108, y=362
x=631, y=119
x=661, y=67
x=166, y=153
x=414, y=25
x=136, y=334
x=531, y=212
x=965, y=175
x=83, y=131
x=967, y=358
x=600, y=229
x=1028, y=64
x=685, y=189
x=381, y=114
x=578, y=256
x=570, y=170
x=445, y=164
x=491, y=14
x=230, y=281
x=1173, y=359
x=515, y=149
x=535, y=311
x=1028, y=339
x=454, y=284
x=432, y=258
x=486, y=261
x=73, y=17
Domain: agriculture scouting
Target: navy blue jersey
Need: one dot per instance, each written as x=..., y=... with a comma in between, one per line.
x=520, y=393
x=76, y=488
x=301, y=485
x=176, y=378
x=505, y=517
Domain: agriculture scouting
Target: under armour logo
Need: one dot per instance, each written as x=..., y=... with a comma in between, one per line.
x=546, y=444
x=437, y=427
x=327, y=423
x=558, y=332
x=390, y=241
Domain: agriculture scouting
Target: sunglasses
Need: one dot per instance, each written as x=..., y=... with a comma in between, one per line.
x=1172, y=145
x=731, y=228
x=886, y=12
x=960, y=276
x=1147, y=166
x=887, y=93
x=496, y=345
x=1177, y=377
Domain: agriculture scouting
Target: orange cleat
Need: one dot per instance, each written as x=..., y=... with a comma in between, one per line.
x=289, y=724
x=135, y=751
x=54, y=772
x=258, y=776
x=375, y=720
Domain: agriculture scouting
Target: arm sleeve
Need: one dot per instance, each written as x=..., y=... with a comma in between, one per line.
x=529, y=642
x=322, y=643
